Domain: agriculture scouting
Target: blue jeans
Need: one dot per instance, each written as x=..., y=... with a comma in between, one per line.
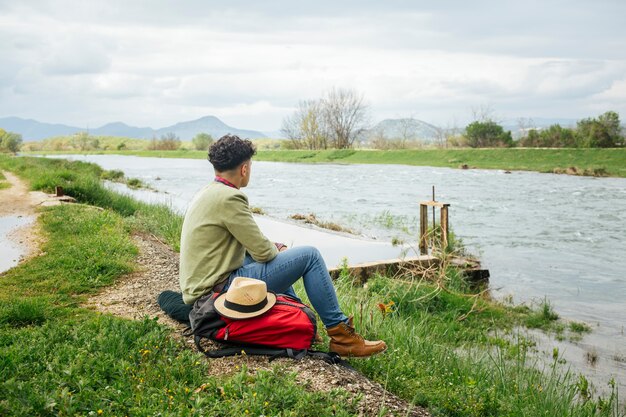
x=286, y=268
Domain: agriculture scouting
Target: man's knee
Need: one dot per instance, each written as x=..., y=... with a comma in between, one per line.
x=310, y=252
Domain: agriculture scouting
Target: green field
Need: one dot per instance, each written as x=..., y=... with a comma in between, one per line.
x=609, y=162
x=450, y=349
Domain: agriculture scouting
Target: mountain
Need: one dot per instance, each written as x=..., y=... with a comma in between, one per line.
x=208, y=124
x=410, y=129
x=122, y=129
x=33, y=130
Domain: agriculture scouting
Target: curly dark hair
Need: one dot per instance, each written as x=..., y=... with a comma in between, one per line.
x=229, y=152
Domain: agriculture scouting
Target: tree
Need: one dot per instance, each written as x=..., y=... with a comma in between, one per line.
x=306, y=128
x=553, y=137
x=169, y=142
x=345, y=115
x=336, y=120
x=406, y=131
x=9, y=141
x=378, y=139
x=487, y=134
x=603, y=132
x=202, y=141
x=84, y=141
x=524, y=126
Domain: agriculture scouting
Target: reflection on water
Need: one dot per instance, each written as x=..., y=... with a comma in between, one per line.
x=541, y=235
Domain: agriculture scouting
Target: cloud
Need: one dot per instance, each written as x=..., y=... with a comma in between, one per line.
x=73, y=57
x=157, y=62
x=572, y=79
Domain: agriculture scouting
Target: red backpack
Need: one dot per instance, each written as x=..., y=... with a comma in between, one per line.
x=288, y=329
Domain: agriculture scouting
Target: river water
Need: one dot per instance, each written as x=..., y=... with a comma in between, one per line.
x=541, y=236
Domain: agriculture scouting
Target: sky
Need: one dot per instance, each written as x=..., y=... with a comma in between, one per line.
x=155, y=63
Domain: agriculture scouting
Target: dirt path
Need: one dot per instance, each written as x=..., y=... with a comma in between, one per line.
x=18, y=201
x=134, y=297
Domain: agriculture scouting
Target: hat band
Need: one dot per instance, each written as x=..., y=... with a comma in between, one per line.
x=241, y=308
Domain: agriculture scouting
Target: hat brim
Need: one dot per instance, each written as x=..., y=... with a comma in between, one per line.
x=237, y=315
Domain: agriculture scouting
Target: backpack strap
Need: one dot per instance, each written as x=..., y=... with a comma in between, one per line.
x=273, y=353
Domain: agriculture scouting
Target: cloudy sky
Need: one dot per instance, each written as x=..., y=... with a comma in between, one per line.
x=154, y=63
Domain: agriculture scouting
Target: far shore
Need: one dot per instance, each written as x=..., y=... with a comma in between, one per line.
x=597, y=162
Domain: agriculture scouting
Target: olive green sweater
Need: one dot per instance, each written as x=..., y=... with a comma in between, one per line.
x=217, y=231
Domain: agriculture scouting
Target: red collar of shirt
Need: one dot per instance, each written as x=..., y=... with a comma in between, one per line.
x=225, y=181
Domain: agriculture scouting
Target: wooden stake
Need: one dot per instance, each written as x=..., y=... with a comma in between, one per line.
x=444, y=226
x=423, y=229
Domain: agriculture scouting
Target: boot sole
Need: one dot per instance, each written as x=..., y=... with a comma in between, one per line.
x=350, y=356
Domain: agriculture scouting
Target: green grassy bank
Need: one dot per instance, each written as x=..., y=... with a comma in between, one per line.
x=449, y=349
x=608, y=162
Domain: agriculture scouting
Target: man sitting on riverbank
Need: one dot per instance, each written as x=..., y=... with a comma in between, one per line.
x=220, y=241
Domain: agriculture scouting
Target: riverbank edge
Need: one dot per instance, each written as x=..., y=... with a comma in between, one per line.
x=609, y=162
x=453, y=308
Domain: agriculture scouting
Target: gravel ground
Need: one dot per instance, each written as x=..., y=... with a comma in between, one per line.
x=135, y=295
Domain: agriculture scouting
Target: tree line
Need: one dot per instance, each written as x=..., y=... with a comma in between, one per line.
x=85, y=142
x=339, y=117
x=604, y=131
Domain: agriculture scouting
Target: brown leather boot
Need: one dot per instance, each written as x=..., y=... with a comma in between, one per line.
x=345, y=341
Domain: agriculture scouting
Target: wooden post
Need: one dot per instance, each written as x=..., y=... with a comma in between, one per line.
x=444, y=226
x=423, y=229
x=58, y=191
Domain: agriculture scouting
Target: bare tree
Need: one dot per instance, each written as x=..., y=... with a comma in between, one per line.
x=485, y=113
x=524, y=125
x=291, y=129
x=345, y=115
x=379, y=140
x=406, y=131
x=306, y=128
x=313, y=125
x=441, y=137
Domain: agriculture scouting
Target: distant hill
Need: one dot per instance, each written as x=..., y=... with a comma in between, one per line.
x=411, y=129
x=33, y=130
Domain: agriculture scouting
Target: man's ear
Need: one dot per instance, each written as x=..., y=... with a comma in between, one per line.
x=243, y=170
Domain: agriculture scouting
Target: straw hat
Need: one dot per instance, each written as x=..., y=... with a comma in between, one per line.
x=245, y=298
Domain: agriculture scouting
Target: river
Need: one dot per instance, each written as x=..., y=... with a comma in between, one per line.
x=549, y=236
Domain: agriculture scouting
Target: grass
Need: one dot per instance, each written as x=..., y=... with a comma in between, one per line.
x=3, y=182
x=459, y=356
x=57, y=358
x=83, y=181
x=601, y=162
x=450, y=350
x=543, y=317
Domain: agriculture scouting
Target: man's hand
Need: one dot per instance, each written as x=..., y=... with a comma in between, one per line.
x=281, y=247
